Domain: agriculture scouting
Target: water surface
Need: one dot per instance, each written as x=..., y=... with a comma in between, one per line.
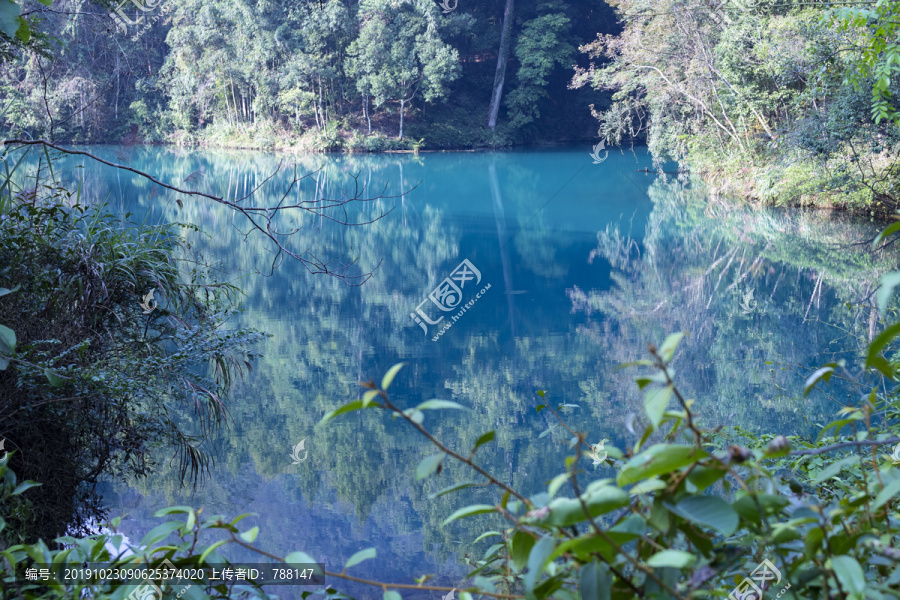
x=586, y=264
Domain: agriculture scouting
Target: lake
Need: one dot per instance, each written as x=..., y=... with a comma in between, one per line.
x=550, y=269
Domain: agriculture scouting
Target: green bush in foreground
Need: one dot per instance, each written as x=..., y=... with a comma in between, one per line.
x=685, y=517
x=114, y=337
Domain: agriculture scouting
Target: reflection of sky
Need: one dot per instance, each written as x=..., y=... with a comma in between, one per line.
x=565, y=306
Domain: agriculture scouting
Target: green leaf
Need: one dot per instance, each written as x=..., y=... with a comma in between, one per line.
x=885, y=495
x=823, y=373
x=658, y=459
x=484, y=439
x=833, y=469
x=537, y=561
x=368, y=397
x=389, y=376
x=172, y=510
x=710, y=511
x=676, y=559
x=392, y=595
x=520, y=547
x=849, y=574
x=439, y=404
x=161, y=531
x=486, y=534
x=556, y=483
x=4, y=291
x=889, y=281
x=655, y=404
x=881, y=341
x=359, y=557
x=54, y=379
x=667, y=350
x=428, y=465
x=840, y=424
x=895, y=227
x=569, y=511
x=25, y=485
x=249, y=536
x=210, y=550
x=299, y=558
x=540, y=407
x=452, y=488
x=468, y=511
x=594, y=581
x=9, y=17
x=7, y=335
x=23, y=32
x=342, y=410
x=703, y=477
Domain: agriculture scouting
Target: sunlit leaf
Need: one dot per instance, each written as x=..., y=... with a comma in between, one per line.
x=357, y=405
x=429, y=465
x=483, y=439
x=889, y=282
x=389, y=376
x=359, y=557
x=677, y=559
x=667, y=350
x=439, y=404
x=658, y=459
x=822, y=374
x=468, y=511
x=249, y=536
x=299, y=558
x=655, y=403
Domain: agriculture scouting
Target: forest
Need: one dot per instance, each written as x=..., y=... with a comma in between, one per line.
x=220, y=221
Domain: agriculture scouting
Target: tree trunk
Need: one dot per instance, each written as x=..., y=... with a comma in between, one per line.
x=366, y=112
x=402, y=105
x=117, y=87
x=500, y=74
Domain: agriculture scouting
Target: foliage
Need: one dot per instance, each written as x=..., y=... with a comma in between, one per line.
x=684, y=517
x=216, y=72
x=753, y=97
x=113, y=336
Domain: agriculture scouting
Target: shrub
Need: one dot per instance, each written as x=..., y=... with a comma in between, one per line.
x=89, y=377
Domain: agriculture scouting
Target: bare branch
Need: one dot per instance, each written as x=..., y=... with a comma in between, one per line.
x=317, y=206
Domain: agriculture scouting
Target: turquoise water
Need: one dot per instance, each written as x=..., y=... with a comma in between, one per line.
x=579, y=266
